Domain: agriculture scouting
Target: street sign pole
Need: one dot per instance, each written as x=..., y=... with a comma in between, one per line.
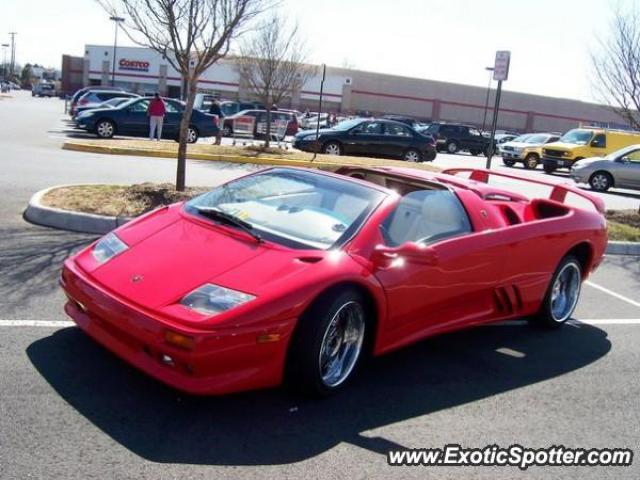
x=494, y=125
x=500, y=73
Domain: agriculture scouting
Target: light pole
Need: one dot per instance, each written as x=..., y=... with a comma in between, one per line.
x=4, y=60
x=486, y=101
x=116, y=20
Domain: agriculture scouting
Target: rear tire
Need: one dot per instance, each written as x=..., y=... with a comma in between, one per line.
x=412, y=155
x=562, y=294
x=508, y=162
x=328, y=343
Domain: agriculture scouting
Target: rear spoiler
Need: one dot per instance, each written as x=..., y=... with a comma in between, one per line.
x=558, y=193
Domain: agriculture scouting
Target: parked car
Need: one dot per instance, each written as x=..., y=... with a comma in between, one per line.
x=94, y=97
x=581, y=143
x=4, y=87
x=230, y=108
x=504, y=138
x=372, y=137
x=526, y=149
x=453, y=137
x=297, y=275
x=261, y=116
x=43, y=89
x=79, y=93
x=130, y=118
x=111, y=103
x=620, y=169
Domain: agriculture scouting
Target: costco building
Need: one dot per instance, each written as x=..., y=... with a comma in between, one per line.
x=347, y=91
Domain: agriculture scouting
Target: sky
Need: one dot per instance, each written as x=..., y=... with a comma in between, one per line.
x=448, y=40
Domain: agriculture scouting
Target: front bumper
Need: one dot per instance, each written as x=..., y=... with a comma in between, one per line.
x=580, y=176
x=306, y=146
x=557, y=162
x=511, y=155
x=221, y=362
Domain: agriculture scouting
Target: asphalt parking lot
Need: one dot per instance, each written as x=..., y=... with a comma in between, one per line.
x=69, y=409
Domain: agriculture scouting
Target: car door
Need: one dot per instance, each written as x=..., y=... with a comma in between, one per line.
x=134, y=119
x=454, y=283
x=366, y=139
x=627, y=171
x=397, y=139
x=473, y=139
x=171, y=125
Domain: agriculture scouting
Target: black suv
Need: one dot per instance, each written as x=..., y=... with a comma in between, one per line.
x=453, y=137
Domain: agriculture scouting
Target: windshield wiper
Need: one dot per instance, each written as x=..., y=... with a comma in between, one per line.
x=229, y=219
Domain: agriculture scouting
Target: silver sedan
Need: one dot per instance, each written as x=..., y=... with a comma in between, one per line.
x=620, y=169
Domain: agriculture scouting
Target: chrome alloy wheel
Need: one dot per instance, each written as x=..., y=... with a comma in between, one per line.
x=341, y=344
x=600, y=182
x=565, y=292
x=332, y=149
x=105, y=129
x=412, y=156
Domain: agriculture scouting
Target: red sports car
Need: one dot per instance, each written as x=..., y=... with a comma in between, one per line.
x=298, y=274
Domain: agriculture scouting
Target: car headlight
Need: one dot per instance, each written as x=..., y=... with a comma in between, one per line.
x=210, y=299
x=108, y=247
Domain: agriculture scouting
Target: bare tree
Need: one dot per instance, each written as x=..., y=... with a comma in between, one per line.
x=191, y=35
x=617, y=67
x=271, y=63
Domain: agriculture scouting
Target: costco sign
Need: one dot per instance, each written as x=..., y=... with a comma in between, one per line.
x=136, y=65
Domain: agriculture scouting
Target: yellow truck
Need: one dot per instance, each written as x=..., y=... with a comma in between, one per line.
x=585, y=142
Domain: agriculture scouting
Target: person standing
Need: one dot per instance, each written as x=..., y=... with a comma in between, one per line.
x=156, y=113
x=216, y=110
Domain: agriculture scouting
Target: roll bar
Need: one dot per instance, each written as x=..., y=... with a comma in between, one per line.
x=558, y=193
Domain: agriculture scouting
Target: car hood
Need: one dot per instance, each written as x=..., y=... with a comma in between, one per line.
x=520, y=144
x=178, y=257
x=562, y=145
x=590, y=161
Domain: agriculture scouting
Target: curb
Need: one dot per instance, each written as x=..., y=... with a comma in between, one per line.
x=101, y=224
x=66, y=219
x=141, y=152
x=623, y=248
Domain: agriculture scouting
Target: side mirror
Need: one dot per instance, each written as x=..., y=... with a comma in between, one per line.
x=410, y=251
x=623, y=159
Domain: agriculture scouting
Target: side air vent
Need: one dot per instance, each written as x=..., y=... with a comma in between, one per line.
x=507, y=299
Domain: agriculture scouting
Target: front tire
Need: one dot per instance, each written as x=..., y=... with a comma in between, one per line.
x=531, y=161
x=332, y=148
x=105, y=129
x=452, y=147
x=328, y=343
x=549, y=169
x=562, y=294
x=601, y=181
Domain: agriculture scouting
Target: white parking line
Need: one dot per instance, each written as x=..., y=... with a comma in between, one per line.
x=36, y=323
x=612, y=293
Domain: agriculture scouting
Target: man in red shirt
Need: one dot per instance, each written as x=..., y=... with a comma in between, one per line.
x=156, y=112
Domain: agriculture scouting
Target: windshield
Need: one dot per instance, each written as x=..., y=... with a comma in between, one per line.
x=522, y=138
x=295, y=208
x=578, y=137
x=622, y=152
x=537, y=139
x=348, y=124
